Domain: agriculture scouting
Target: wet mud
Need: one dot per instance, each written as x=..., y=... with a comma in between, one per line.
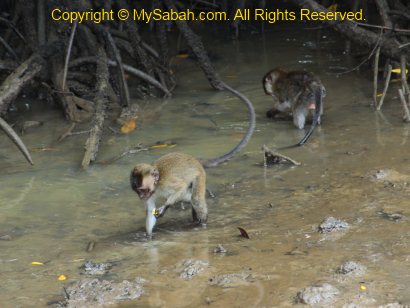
x=355, y=168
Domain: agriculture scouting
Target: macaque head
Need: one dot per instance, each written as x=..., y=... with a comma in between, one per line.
x=144, y=179
x=270, y=79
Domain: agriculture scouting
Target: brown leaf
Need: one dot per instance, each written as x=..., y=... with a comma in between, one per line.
x=243, y=232
x=128, y=126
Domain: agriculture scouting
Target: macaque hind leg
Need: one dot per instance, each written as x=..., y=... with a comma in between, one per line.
x=199, y=206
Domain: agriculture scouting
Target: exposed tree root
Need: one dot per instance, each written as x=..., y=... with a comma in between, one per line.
x=16, y=139
x=93, y=141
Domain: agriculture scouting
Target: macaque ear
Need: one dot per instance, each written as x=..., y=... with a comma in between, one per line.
x=155, y=175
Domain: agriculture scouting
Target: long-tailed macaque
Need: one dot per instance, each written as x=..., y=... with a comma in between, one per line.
x=295, y=92
x=181, y=177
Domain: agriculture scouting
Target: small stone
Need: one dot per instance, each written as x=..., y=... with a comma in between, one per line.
x=220, y=249
x=191, y=268
x=331, y=224
x=316, y=294
x=351, y=268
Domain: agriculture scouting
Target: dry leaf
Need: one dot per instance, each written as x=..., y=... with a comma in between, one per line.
x=163, y=145
x=128, y=126
x=243, y=232
x=398, y=71
x=182, y=56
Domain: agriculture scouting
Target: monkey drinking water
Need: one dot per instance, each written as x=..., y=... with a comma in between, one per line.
x=181, y=177
x=298, y=93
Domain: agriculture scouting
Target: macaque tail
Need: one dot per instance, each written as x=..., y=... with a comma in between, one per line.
x=316, y=116
x=16, y=139
x=252, y=119
x=315, y=121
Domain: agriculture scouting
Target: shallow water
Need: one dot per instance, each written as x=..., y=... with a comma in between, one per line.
x=51, y=211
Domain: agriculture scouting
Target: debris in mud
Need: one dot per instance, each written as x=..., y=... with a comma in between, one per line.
x=380, y=174
x=390, y=216
x=351, y=268
x=231, y=280
x=391, y=178
x=93, y=292
x=190, y=268
x=332, y=224
x=220, y=249
x=91, y=268
x=321, y=293
x=30, y=124
x=272, y=157
x=392, y=305
x=6, y=237
x=296, y=252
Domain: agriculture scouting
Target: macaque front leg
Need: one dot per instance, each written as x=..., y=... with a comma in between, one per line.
x=150, y=219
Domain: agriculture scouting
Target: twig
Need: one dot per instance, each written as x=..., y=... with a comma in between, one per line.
x=8, y=48
x=375, y=75
x=67, y=57
x=375, y=48
x=134, y=150
x=13, y=27
x=386, y=87
x=129, y=69
x=404, y=83
x=406, y=117
x=124, y=93
x=66, y=133
x=41, y=22
x=276, y=157
x=380, y=27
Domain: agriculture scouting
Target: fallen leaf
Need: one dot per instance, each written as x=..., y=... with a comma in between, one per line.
x=62, y=277
x=182, y=56
x=128, y=126
x=243, y=232
x=37, y=263
x=398, y=71
x=163, y=145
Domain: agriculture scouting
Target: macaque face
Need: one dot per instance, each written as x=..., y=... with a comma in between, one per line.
x=144, y=179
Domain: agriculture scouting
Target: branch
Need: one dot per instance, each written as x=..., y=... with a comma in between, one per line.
x=93, y=141
x=129, y=69
x=15, y=82
x=124, y=93
x=67, y=57
x=16, y=139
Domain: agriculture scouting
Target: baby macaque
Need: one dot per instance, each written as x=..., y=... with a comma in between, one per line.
x=297, y=93
x=181, y=177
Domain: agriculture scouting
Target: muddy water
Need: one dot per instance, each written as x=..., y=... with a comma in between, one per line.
x=50, y=212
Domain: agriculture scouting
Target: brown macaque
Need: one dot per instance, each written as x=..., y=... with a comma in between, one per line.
x=298, y=93
x=175, y=177
x=181, y=177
